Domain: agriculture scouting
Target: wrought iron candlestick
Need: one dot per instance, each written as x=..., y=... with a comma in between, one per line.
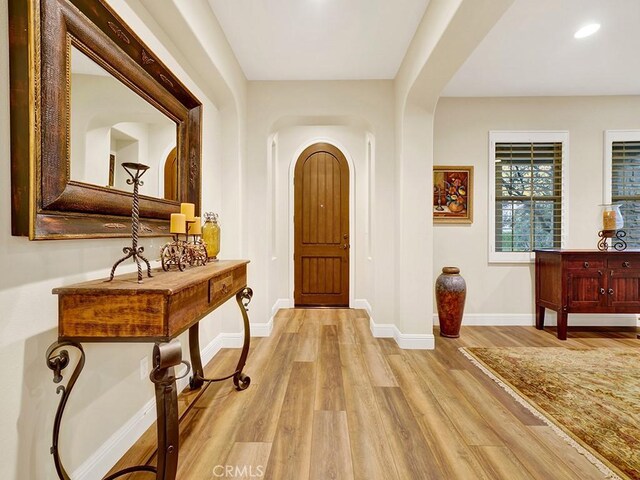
x=135, y=171
x=617, y=241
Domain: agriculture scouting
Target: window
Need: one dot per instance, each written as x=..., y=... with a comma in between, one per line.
x=622, y=179
x=526, y=186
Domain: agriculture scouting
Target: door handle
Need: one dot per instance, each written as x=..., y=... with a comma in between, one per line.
x=345, y=246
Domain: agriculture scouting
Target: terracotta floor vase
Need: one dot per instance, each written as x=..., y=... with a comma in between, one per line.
x=451, y=291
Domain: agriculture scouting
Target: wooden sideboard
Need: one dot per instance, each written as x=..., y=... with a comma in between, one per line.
x=586, y=281
x=156, y=311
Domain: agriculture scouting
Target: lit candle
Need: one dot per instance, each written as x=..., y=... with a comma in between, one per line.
x=178, y=223
x=195, y=228
x=188, y=210
x=608, y=220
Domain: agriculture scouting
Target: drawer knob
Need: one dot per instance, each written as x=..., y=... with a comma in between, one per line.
x=626, y=264
x=586, y=264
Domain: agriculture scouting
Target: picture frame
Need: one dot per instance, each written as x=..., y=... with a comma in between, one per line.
x=452, y=194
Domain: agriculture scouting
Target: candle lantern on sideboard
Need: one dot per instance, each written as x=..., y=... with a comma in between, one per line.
x=211, y=235
x=612, y=224
x=190, y=251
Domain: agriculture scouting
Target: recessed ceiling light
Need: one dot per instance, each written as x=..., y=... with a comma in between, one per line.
x=587, y=30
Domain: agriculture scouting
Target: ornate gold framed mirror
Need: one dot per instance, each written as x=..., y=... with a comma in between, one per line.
x=86, y=96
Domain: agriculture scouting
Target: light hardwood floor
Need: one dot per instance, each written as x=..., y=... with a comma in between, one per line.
x=329, y=401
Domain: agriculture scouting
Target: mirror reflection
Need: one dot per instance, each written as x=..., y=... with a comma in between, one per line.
x=112, y=125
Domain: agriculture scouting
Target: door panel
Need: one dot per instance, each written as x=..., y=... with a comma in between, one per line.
x=624, y=288
x=321, y=221
x=585, y=289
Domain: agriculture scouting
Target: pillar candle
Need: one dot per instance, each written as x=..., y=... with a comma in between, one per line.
x=608, y=220
x=177, y=223
x=188, y=210
x=195, y=228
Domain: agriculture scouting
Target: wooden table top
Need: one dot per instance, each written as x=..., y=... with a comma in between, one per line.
x=168, y=283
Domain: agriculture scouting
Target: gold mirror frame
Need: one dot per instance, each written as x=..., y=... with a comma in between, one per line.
x=46, y=203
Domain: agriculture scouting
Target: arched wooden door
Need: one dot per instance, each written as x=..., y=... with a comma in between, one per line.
x=171, y=175
x=321, y=224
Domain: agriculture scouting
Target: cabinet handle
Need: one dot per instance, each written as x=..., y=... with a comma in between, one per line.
x=586, y=264
x=602, y=291
x=626, y=264
x=611, y=291
x=600, y=272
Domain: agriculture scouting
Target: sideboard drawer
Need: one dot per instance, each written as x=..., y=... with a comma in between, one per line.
x=620, y=261
x=220, y=288
x=584, y=263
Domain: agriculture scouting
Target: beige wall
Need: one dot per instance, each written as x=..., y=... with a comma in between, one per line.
x=462, y=128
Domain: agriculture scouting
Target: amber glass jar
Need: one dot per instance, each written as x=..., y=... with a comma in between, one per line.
x=211, y=235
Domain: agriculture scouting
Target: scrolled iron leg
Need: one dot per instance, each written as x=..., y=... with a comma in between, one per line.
x=57, y=360
x=240, y=380
x=197, y=380
x=165, y=357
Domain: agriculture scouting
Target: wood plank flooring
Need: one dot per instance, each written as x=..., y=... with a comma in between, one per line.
x=329, y=401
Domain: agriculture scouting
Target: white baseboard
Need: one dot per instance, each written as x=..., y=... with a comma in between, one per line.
x=262, y=329
x=363, y=304
x=106, y=456
x=406, y=341
x=281, y=303
x=381, y=330
x=528, y=319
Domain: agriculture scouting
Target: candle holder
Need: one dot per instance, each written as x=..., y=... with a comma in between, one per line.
x=612, y=223
x=618, y=244
x=135, y=171
x=183, y=253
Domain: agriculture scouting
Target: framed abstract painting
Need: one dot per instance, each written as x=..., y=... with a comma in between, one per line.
x=452, y=194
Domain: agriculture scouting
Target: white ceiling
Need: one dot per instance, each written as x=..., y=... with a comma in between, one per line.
x=531, y=51
x=319, y=39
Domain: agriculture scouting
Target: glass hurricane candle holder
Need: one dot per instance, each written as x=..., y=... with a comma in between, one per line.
x=612, y=217
x=612, y=223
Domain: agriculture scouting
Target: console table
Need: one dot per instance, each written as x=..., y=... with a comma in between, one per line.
x=155, y=311
x=586, y=281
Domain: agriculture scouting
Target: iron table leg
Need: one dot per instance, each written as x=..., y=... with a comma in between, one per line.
x=240, y=380
x=165, y=357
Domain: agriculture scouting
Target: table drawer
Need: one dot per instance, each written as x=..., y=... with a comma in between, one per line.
x=220, y=288
x=583, y=263
x=626, y=261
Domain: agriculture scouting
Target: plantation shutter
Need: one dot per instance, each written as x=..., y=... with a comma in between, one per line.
x=528, y=196
x=625, y=187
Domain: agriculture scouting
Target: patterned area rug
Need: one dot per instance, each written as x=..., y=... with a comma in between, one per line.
x=589, y=396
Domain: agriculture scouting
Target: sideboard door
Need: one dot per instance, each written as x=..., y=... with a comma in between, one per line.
x=586, y=289
x=624, y=288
